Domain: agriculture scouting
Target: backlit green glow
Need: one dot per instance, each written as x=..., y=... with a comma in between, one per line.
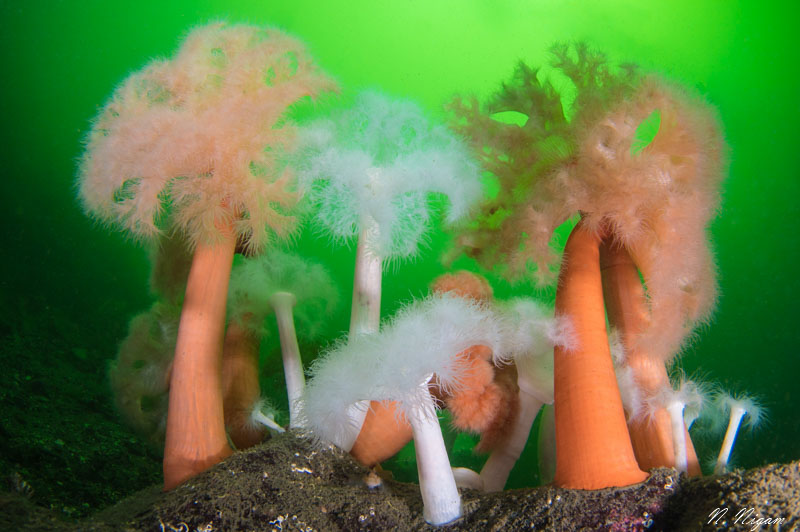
x=646, y=132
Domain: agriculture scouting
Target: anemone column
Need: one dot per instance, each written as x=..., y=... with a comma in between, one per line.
x=593, y=446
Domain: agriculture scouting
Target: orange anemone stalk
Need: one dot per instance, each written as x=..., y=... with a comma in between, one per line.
x=241, y=390
x=593, y=446
x=180, y=148
x=384, y=432
x=641, y=157
x=626, y=305
x=196, y=437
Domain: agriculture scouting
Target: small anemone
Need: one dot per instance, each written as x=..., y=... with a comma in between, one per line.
x=254, y=281
x=741, y=409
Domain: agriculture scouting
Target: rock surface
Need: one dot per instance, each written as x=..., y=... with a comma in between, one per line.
x=288, y=484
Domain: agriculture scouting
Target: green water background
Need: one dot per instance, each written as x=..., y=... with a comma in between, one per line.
x=66, y=280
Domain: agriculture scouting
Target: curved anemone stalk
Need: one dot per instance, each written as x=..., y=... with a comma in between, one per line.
x=495, y=471
x=530, y=332
x=241, y=390
x=626, y=305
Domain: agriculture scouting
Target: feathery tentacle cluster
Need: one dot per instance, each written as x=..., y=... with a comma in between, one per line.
x=656, y=198
x=376, y=165
x=421, y=340
x=256, y=279
x=191, y=141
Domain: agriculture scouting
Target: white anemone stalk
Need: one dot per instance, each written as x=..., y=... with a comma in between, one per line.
x=370, y=172
x=739, y=406
x=288, y=286
x=685, y=401
x=529, y=333
x=282, y=303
